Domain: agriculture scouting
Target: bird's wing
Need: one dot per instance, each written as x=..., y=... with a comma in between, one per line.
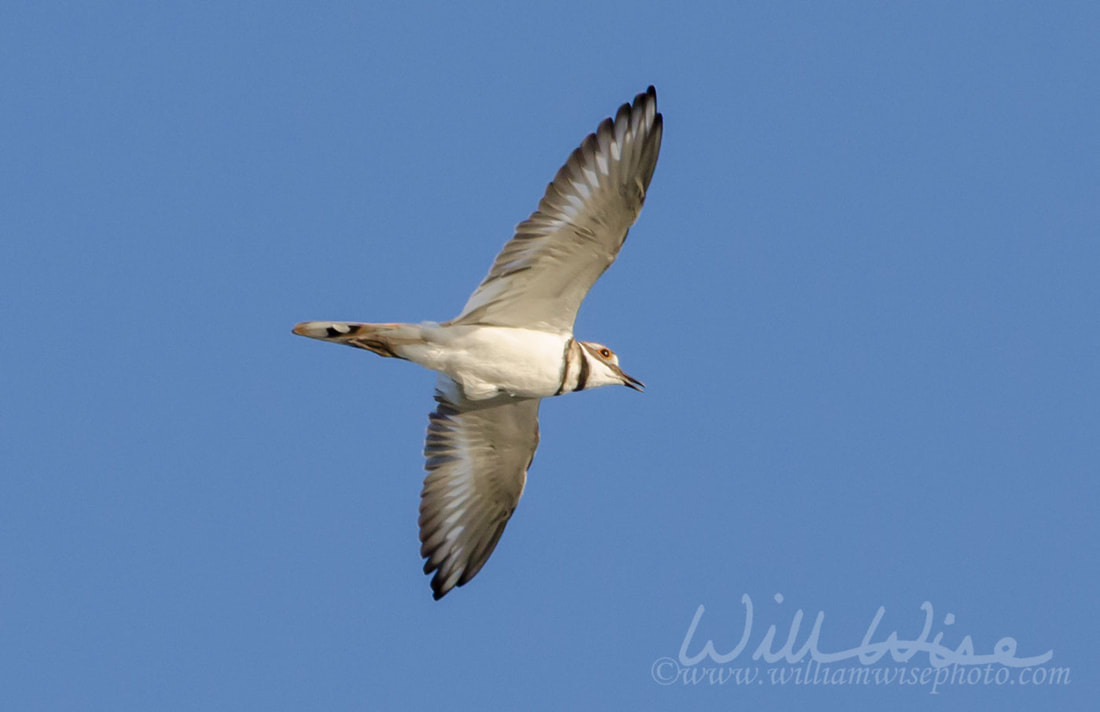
x=477, y=455
x=544, y=272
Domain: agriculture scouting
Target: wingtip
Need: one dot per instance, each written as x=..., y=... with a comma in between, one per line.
x=441, y=587
x=645, y=104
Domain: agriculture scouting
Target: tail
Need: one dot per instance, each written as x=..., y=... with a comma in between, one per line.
x=383, y=339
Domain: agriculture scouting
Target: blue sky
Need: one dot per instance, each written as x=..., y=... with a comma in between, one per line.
x=863, y=294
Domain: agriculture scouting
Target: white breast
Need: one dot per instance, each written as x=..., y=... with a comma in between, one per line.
x=487, y=360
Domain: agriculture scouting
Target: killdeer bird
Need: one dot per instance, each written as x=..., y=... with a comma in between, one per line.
x=513, y=343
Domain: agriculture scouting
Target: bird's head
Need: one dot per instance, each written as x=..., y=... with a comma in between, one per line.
x=604, y=368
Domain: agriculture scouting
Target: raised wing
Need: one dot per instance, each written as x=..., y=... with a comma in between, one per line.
x=477, y=455
x=543, y=273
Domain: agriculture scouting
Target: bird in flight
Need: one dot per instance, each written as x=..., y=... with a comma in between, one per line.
x=513, y=343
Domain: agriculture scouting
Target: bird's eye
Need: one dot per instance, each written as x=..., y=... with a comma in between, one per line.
x=606, y=353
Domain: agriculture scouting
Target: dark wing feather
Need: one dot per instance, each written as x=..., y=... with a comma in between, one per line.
x=477, y=455
x=542, y=275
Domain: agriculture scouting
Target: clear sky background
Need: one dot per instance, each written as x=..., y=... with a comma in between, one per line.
x=864, y=295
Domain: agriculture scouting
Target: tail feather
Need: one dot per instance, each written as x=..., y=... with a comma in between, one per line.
x=381, y=339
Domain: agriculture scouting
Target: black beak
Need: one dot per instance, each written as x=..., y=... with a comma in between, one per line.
x=631, y=382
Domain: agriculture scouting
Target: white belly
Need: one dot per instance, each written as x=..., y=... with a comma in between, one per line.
x=487, y=360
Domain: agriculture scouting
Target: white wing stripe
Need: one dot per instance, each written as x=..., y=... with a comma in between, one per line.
x=578, y=228
x=477, y=458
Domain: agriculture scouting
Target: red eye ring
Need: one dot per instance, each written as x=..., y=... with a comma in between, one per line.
x=606, y=353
